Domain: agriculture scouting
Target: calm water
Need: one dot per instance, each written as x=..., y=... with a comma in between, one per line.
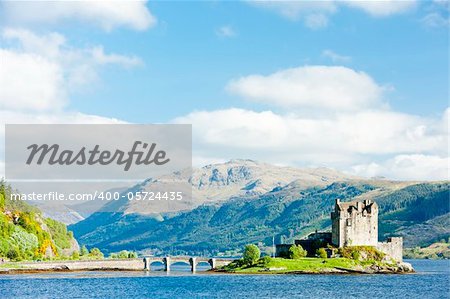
x=431, y=281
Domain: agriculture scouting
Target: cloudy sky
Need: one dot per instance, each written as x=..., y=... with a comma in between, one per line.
x=357, y=86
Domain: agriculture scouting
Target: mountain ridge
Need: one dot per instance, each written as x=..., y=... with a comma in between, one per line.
x=288, y=211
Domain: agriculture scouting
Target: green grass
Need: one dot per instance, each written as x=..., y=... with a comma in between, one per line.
x=11, y=266
x=310, y=265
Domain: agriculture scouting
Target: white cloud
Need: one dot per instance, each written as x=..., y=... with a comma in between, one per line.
x=63, y=117
x=39, y=72
x=435, y=19
x=316, y=14
x=438, y=14
x=316, y=21
x=313, y=13
x=29, y=81
x=361, y=134
x=226, y=31
x=106, y=14
x=326, y=87
x=382, y=8
x=408, y=167
x=335, y=57
x=295, y=9
x=100, y=57
x=342, y=141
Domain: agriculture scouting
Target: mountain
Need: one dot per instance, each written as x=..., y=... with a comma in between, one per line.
x=220, y=182
x=243, y=201
x=63, y=213
x=26, y=234
x=72, y=212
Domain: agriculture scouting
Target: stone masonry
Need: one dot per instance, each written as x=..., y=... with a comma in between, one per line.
x=355, y=223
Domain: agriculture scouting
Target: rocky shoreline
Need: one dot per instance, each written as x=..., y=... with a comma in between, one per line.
x=137, y=265
x=399, y=268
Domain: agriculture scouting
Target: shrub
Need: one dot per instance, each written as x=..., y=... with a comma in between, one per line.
x=296, y=252
x=356, y=255
x=25, y=241
x=124, y=254
x=2, y=202
x=251, y=254
x=60, y=235
x=361, y=252
x=265, y=261
x=13, y=254
x=84, y=250
x=95, y=253
x=75, y=255
x=322, y=253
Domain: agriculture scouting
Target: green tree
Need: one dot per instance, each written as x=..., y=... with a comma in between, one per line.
x=75, y=255
x=251, y=254
x=322, y=253
x=23, y=240
x=96, y=253
x=266, y=260
x=84, y=250
x=296, y=252
x=123, y=254
x=13, y=254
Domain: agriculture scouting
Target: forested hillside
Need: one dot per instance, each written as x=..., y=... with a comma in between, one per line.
x=418, y=212
x=25, y=234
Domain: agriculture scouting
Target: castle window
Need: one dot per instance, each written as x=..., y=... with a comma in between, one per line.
x=349, y=222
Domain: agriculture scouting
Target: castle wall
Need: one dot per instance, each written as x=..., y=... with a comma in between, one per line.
x=282, y=250
x=361, y=229
x=336, y=237
x=393, y=247
x=355, y=224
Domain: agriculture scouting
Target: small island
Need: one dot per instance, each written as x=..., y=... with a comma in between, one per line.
x=351, y=247
x=352, y=260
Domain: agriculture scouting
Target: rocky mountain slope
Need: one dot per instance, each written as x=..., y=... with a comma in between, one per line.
x=220, y=182
x=245, y=201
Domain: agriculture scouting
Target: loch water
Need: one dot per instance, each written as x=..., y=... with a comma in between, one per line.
x=432, y=280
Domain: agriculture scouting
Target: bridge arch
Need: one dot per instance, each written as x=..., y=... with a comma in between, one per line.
x=156, y=264
x=192, y=261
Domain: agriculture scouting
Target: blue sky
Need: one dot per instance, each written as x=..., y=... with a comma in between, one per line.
x=187, y=65
x=342, y=71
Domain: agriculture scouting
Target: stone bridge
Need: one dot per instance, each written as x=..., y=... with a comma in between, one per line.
x=192, y=261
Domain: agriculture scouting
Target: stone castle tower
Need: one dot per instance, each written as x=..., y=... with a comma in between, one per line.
x=355, y=223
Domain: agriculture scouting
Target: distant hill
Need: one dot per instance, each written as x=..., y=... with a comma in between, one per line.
x=220, y=182
x=244, y=202
x=26, y=234
x=437, y=250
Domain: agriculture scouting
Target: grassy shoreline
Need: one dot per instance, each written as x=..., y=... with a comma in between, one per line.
x=312, y=265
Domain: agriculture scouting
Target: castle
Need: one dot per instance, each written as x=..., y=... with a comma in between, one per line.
x=354, y=223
